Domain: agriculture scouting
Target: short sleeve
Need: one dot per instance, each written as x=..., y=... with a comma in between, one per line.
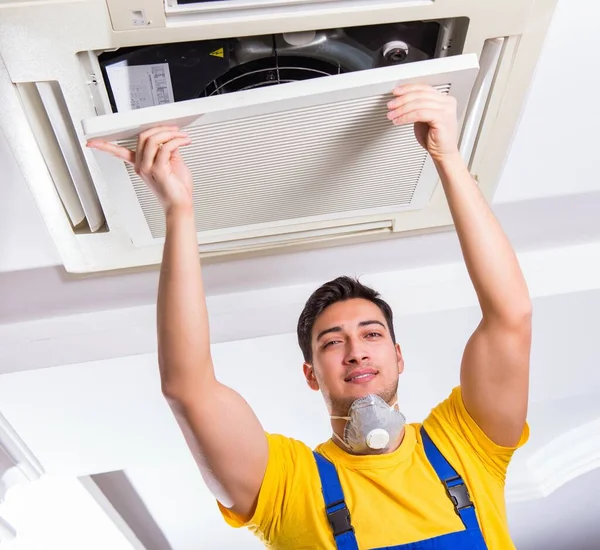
x=452, y=425
x=276, y=486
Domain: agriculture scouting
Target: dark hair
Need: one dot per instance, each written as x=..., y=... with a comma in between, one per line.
x=339, y=290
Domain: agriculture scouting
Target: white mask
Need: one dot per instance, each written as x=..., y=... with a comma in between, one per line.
x=371, y=424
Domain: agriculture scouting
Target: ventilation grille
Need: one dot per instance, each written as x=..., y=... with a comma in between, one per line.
x=331, y=159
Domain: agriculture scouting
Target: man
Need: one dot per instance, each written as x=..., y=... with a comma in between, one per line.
x=378, y=482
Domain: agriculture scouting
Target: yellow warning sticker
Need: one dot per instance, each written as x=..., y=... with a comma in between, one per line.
x=217, y=53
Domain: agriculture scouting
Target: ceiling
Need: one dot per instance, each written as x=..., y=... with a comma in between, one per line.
x=79, y=381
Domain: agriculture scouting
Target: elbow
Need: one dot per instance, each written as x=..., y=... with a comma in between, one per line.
x=172, y=382
x=520, y=313
x=187, y=387
x=516, y=317
x=524, y=315
x=176, y=391
x=177, y=400
x=174, y=397
x=170, y=391
x=519, y=320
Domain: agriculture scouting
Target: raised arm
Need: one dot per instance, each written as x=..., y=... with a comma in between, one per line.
x=221, y=429
x=495, y=365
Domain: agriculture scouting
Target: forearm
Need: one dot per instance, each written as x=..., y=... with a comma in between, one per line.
x=490, y=259
x=182, y=318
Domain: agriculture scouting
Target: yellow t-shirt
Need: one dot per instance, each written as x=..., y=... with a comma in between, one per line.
x=394, y=498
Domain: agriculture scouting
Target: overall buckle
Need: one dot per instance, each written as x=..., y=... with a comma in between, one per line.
x=458, y=494
x=339, y=519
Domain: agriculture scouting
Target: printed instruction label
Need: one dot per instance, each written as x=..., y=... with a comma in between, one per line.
x=138, y=86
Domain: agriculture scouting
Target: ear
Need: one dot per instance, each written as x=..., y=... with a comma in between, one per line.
x=399, y=359
x=309, y=374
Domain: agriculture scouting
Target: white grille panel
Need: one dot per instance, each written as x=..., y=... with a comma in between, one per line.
x=330, y=159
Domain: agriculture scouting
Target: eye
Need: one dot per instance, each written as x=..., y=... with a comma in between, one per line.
x=373, y=334
x=329, y=343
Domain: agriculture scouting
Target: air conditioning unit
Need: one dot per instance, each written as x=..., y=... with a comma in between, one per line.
x=285, y=101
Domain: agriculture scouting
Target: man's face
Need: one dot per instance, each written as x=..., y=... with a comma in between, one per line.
x=353, y=355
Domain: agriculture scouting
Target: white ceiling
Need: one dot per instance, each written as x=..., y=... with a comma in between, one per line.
x=567, y=519
x=97, y=408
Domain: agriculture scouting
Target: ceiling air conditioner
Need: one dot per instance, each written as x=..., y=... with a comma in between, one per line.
x=285, y=101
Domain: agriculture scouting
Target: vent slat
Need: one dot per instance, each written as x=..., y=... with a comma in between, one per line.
x=295, y=114
x=332, y=159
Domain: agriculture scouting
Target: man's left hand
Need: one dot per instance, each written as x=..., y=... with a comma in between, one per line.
x=432, y=113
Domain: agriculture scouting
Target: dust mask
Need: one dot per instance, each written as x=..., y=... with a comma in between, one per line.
x=371, y=425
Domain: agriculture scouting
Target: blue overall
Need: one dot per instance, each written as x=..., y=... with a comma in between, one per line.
x=339, y=516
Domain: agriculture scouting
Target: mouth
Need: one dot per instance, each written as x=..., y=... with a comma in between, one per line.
x=361, y=376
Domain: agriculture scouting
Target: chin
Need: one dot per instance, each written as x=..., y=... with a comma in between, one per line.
x=351, y=392
x=361, y=390
x=376, y=386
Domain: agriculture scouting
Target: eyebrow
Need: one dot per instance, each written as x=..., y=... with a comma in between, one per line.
x=339, y=329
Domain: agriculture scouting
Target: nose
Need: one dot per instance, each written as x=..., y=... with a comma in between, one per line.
x=355, y=354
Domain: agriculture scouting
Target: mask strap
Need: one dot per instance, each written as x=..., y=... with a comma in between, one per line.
x=341, y=440
x=336, y=435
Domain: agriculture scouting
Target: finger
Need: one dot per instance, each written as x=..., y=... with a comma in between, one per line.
x=169, y=151
x=144, y=136
x=420, y=115
x=120, y=152
x=432, y=95
x=407, y=88
x=152, y=146
x=418, y=105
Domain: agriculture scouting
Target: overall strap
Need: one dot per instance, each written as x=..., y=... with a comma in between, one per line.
x=335, y=506
x=455, y=488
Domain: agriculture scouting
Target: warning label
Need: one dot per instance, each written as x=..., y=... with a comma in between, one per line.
x=218, y=53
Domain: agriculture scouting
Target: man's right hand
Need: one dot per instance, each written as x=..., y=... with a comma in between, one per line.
x=158, y=162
